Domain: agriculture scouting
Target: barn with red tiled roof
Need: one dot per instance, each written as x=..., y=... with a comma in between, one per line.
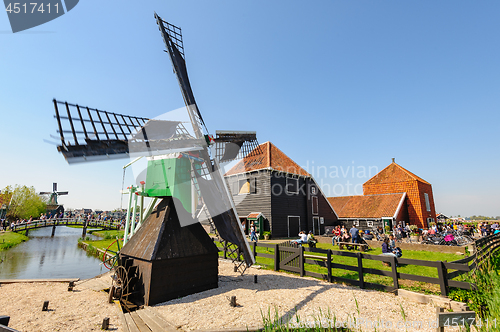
x=369, y=211
x=391, y=196
x=396, y=179
x=269, y=181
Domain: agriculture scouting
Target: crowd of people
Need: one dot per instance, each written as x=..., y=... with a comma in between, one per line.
x=354, y=235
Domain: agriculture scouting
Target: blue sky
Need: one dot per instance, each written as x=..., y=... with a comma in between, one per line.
x=332, y=83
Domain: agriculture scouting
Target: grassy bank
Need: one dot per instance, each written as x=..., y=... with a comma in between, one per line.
x=485, y=300
x=11, y=239
x=107, y=238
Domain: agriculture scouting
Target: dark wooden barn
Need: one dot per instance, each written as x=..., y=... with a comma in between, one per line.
x=272, y=183
x=172, y=261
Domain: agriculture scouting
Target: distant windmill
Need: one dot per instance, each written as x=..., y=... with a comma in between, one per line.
x=52, y=204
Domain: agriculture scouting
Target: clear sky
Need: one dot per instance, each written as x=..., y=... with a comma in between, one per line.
x=338, y=84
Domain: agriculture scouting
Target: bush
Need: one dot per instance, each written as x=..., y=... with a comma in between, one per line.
x=414, y=229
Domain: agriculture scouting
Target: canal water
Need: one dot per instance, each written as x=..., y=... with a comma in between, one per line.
x=44, y=256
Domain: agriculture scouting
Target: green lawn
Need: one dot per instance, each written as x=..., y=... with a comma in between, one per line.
x=109, y=237
x=10, y=239
x=368, y=263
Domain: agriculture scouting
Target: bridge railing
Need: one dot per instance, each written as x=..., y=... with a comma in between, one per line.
x=65, y=222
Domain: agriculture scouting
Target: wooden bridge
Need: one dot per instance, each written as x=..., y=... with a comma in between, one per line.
x=85, y=223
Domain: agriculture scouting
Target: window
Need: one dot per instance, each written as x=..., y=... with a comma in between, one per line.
x=427, y=203
x=246, y=186
x=369, y=223
x=292, y=185
x=315, y=205
x=356, y=223
x=313, y=190
x=235, y=187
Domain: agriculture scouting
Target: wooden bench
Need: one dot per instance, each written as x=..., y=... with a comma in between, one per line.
x=324, y=258
x=361, y=246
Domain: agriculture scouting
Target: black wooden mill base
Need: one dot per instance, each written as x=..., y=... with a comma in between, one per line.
x=171, y=261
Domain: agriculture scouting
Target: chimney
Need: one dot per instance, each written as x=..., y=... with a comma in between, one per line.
x=393, y=160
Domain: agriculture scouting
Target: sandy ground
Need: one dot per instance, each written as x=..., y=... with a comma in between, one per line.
x=80, y=310
x=287, y=296
x=276, y=294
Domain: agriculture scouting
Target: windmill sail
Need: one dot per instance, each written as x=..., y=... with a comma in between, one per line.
x=212, y=185
x=172, y=37
x=90, y=134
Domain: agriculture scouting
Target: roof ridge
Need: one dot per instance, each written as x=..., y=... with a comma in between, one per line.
x=416, y=177
x=263, y=160
x=299, y=168
x=268, y=153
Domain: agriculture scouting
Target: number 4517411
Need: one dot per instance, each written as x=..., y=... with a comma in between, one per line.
x=31, y=8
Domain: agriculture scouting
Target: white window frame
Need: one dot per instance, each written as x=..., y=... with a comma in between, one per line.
x=315, y=200
x=356, y=222
x=369, y=223
x=286, y=185
x=427, y=202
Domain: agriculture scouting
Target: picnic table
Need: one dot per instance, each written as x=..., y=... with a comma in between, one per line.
x=361, y=246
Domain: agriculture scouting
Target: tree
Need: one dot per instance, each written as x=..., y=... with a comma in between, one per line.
x=25, y=202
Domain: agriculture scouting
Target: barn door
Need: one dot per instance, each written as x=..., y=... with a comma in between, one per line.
x=293, y=225
x=316, y=226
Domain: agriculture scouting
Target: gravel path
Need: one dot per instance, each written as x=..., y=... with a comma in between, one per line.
x=275, y=294
x=81, y=310
x=282, y=294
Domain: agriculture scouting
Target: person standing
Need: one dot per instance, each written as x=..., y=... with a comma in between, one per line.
x=354, y=234
x=253, y=235
x=336, y=235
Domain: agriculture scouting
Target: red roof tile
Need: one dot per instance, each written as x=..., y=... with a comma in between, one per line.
x=394, y=173
x=254, y=215
x=269, y=156
x=368, y=206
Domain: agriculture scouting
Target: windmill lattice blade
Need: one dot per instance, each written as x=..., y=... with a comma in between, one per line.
x=172, y=37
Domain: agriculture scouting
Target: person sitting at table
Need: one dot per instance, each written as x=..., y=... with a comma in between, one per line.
x=311, y=241
x=337, y=234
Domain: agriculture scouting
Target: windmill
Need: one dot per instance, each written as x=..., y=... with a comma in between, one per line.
x=52, y=205
x=166, y=252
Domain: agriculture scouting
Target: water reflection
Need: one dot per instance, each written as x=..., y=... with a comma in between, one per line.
x=44, y=256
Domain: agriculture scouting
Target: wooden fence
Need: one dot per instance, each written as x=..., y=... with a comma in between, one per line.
x=292, y=258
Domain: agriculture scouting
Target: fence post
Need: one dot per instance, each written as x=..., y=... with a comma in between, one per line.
x=443, y=278
x=394, y=272
x=329, y=264
x=301, y=261
x=276, y=257
x=438, y=311
x=360, y=271
x=225, y=249
x=254, y=244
